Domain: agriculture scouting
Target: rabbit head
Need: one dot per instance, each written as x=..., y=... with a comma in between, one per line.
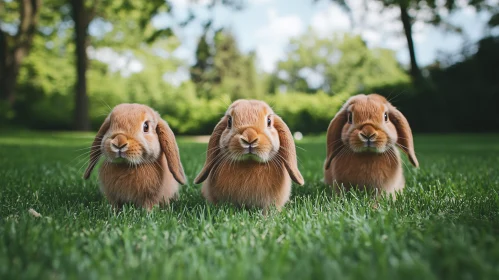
x=135, y=134
x=369, y=124
x=251, y=131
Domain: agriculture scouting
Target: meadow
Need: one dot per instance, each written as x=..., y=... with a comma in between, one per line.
x=444, y=226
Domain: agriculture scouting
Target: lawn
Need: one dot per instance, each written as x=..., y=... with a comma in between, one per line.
x=444, y=226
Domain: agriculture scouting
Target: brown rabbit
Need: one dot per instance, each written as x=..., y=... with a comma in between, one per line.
x=142, y=162
x=250, y=159
x=362, y=142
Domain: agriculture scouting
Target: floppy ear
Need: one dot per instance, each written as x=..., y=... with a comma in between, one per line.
x=95, y=151
x=333, y=138
x=213, y=151
x=169, y=147
x=287, y=151
x=404, y=134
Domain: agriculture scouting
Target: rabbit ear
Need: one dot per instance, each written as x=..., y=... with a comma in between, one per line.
x=287, y=151
x=333, y=138
x=213, y=151
x=404, y=134
x=95, y=151
x=170, y=149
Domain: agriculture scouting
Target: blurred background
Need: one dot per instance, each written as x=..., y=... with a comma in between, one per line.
x=65, y=63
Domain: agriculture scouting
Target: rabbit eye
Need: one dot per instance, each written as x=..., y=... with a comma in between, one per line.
x=350, y=118
x=145, y=127
x=386, y=117
x=229, y=122
x=269, y=121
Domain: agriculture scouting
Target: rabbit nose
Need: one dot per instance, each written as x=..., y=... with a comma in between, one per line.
x=120, y=142
x=249, y=137
x=248, y=142
x=368, y=135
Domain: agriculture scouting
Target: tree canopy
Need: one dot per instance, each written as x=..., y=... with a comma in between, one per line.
x=120, y=56
x=335, y=64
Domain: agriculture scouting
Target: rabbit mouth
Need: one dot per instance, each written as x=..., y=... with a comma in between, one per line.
x=123, y=157
x=119, y=160
x=367, y=146
x=370, y=148
x=250, y=156
x=119, y=157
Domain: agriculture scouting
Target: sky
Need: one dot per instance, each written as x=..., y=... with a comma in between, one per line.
x=266, y=26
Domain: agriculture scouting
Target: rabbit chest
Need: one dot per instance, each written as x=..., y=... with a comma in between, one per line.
x=144, y=185
x=249, y=183
x=370, y=170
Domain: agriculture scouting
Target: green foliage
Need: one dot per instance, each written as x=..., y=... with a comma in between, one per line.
x=45, y=91
x=307, y=113
x=46, y=86
x=221, y=69
x=9, y=12
x=126, y=24
x=222, y=73
x=433, y=12
x=444, y=225
x=460, y=97
x=345, y=62
x=202, y=73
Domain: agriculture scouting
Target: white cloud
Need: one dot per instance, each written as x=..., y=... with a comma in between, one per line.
x=269, y=32
x=268, y=55
x=259, y=2
x=194, y=3
x=314, y=78
x=184, y=53
x=186, y=3
x=377, y=25
x=330, y=20
x=280, y=27
x=272, y=38
x=178, y=77
x=125, y=63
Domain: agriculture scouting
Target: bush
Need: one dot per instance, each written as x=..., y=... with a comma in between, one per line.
x=307, y=113
x=460, y=98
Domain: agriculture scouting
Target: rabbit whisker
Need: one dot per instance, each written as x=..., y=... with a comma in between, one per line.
x=82, y=161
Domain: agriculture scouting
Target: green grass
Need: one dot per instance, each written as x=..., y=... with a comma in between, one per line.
x=445, y=225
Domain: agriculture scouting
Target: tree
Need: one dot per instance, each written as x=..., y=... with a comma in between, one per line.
x=15, y=42
x=254, y=83
x=202, y=72
x=83, y=12
x=430, y=11
x=229, y=65
x=82, y=16
x=407, y=23
x=133, y=15
x=222, y=69
x=336, y=64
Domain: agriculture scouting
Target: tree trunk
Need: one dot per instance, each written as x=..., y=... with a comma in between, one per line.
x=6, y=81
x=407, y=22
x=81, y=117
x=11, y=58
